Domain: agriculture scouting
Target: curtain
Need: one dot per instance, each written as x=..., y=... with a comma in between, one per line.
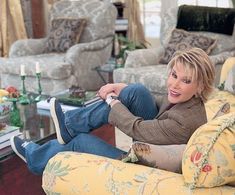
x=12, y=25
x=233, y=1
x=135, y=28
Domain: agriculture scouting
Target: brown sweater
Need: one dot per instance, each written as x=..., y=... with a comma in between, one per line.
x=173, y=125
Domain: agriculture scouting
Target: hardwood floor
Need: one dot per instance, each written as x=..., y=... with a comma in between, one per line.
x=15, y=178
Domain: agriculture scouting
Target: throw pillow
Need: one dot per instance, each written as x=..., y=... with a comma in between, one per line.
x=167, y=157
x=182, y=40
x=229, y=84
x=209, y=157
x=64, y=33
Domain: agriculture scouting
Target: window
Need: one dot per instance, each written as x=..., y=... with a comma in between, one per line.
x=150, y=16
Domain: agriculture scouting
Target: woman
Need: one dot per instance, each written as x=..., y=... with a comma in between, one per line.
x=133, y=110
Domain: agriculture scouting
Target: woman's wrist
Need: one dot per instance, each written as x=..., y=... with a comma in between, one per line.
x=113, y=103
x=110, y=99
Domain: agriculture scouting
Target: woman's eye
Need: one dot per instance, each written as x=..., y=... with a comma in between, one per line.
x=173, y=75
x=187, y=81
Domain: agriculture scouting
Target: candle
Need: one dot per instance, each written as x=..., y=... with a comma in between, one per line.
x=38, y=70
x=22, y=70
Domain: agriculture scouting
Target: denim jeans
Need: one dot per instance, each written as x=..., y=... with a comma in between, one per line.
x=82, y=121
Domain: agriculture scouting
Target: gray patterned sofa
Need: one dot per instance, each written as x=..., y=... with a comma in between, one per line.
x=73, y=67
x=143, y=65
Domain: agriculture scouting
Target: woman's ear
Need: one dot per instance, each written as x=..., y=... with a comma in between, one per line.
x=200, y=89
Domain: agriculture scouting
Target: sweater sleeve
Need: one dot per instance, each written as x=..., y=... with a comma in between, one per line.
x=169, y=130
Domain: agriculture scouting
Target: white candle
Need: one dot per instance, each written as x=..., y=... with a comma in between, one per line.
x=38, y=70
x=22, y=70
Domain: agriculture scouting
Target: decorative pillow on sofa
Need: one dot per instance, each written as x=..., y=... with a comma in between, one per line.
x=229, y=84
x=209, y=157
x=64, y=33
x=167, y=157
x=182, y=40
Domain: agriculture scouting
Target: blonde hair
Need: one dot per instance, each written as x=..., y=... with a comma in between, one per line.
x=197, y=62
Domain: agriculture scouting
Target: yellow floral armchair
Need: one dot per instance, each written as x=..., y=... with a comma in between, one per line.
x=208, y=164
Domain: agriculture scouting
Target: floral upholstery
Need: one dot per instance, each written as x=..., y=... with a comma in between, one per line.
x=74, y=67
x=208, y=159
x=143, y=58
x=77, y=173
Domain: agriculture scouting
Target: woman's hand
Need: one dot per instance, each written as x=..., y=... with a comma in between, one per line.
x=110, y=88
x=112, y=103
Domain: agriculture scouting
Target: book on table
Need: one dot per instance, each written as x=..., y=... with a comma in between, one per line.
x=6, y=133
x=70, y=103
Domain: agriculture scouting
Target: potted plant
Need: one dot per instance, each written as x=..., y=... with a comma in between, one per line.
x=126, y=45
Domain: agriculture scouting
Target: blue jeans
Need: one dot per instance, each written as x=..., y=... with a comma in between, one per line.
x=82, y=121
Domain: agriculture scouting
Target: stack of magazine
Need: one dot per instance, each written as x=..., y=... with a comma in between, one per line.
x=6, y=133
x=70, y=103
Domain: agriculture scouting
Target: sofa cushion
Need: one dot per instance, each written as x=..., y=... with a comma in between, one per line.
x=153, y=77
x=209, y=157
x=53, y=66
x=80, y=173
x=181, y=40
x=166, y=157
x=64, y=33
x=229, y=84
x=216, y=100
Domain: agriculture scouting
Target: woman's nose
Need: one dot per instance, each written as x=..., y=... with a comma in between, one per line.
x=176, y=83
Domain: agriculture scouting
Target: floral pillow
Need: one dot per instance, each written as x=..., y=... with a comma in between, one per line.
x=182, y=40
x=209, y=157
x=64, y=33
x=166, y=157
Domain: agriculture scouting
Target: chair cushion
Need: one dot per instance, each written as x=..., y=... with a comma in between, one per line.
x=209, y=157
x=181, y=40
x=64, y=33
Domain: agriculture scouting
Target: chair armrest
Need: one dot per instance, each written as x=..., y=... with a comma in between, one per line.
x=221, y=57
x=74, y=51
x=27, y=47
x=84, y=57
x=143, y=57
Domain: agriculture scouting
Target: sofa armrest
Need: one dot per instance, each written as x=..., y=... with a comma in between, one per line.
x=77, y=173
x=143, y=57
x=27, y=47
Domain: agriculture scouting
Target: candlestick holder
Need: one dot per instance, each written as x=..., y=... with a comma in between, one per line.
x=39, y=97
x=23, y=96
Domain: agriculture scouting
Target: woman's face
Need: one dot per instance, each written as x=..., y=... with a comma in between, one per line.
x=180, y=86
